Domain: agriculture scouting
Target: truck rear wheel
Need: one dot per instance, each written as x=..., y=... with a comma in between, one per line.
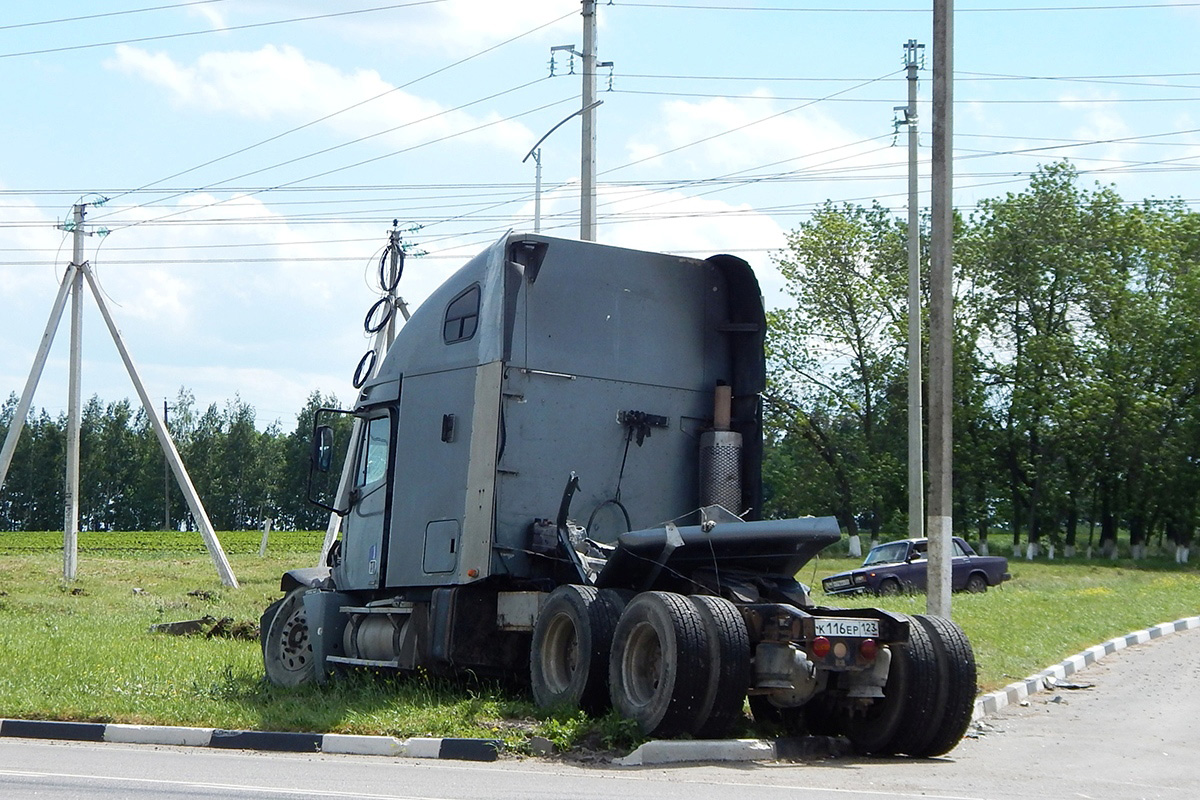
x=891, y=724
x=659, y=666
x=956, y=688
x=568, y=659
x=287, y=649
x=729, y=666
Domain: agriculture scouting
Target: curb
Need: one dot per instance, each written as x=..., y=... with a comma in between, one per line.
x=663, y=751
x=445, y=748
x=1019, y=691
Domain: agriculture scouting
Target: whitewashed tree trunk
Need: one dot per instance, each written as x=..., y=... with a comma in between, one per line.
x=1031, y=550
x=1110, y=550
x=1050, y=552
x=983, y=549
x=855, y=546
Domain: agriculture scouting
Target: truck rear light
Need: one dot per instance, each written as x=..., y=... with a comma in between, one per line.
x=820, y=647
x=868, y=649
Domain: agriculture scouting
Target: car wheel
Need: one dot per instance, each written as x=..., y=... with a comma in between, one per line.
x=568, y=658
x=977, y=584
x=659, y=667
x=890, y=586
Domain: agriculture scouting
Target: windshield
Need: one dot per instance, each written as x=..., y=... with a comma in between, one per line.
x=887, y=554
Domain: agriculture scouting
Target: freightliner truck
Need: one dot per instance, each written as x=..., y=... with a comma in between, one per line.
x=556, y=476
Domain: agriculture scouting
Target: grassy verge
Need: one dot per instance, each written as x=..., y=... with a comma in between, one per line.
x=1050, y=610
x=84, y=651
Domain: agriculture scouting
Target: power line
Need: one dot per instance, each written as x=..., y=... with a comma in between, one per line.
x=332, y=148
x=353, y=106
x=358, y=163
x=107, y=14
x=832, y=10
x=957, y=101
x=747, y=125
x=207, y=31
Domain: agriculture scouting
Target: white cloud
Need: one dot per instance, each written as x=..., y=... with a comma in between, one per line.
x=210, y=14
x=724, y=134
x=280, y=82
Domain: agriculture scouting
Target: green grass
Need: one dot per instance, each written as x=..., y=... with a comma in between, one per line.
x=84, y=651
x=1049, y=610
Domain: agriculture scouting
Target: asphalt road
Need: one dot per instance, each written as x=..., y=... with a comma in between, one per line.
x=1132, y=734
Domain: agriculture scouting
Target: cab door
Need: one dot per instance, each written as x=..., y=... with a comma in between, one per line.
x=364, y=552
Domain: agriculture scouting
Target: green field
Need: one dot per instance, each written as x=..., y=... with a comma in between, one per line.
x=84, y=651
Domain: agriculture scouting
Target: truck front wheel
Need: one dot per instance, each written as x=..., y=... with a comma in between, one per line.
x=287, y=649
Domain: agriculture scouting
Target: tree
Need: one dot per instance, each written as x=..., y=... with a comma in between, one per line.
x=836, y=367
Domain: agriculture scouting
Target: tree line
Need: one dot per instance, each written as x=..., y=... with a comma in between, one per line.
x=243, y=476
x=1076, y=368
x=1076, y=408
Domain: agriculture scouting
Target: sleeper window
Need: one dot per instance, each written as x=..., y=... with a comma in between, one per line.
x=462, y=317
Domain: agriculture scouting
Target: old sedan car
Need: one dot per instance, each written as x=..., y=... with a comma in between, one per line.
x=902, y=565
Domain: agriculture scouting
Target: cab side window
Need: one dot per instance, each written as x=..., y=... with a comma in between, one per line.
x=373, y=450
x=462, y=317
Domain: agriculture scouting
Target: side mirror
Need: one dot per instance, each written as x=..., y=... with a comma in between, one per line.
x=322, y=449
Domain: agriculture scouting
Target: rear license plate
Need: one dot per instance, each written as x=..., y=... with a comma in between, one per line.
x=847, y=626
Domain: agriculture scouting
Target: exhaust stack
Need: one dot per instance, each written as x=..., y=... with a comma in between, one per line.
x=721, y=457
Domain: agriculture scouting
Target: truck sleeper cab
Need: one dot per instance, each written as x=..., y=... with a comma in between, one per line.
x=557, y=478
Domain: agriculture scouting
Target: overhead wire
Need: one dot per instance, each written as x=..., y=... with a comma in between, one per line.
x=226, y=29
x=104, y=14
x=363, y=162
x=353, y=106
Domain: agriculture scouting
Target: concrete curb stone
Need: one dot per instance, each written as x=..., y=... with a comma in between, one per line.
x=1021, y=690
x=282, y=742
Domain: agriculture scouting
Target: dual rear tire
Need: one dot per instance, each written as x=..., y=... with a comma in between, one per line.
x=928, y=698
x=673, y=664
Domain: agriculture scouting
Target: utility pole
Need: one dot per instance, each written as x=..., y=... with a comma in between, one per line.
x=166, y=477
x=71, y=485
x=72, y=284
x=385, y=335
x=537, y=189
x=913, y=56
x=941, y=314
x=587, y=168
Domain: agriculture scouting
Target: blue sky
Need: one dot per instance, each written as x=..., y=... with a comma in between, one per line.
x=254, y=161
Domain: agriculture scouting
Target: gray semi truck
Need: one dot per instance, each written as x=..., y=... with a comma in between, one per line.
x=555, y=476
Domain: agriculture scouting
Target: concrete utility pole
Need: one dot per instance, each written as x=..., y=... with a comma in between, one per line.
x=587, y=167
x=384, y=337
x=71, y=485
x=72, y=284
x=941, y=314
x=166, y=477
x=916, y=450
